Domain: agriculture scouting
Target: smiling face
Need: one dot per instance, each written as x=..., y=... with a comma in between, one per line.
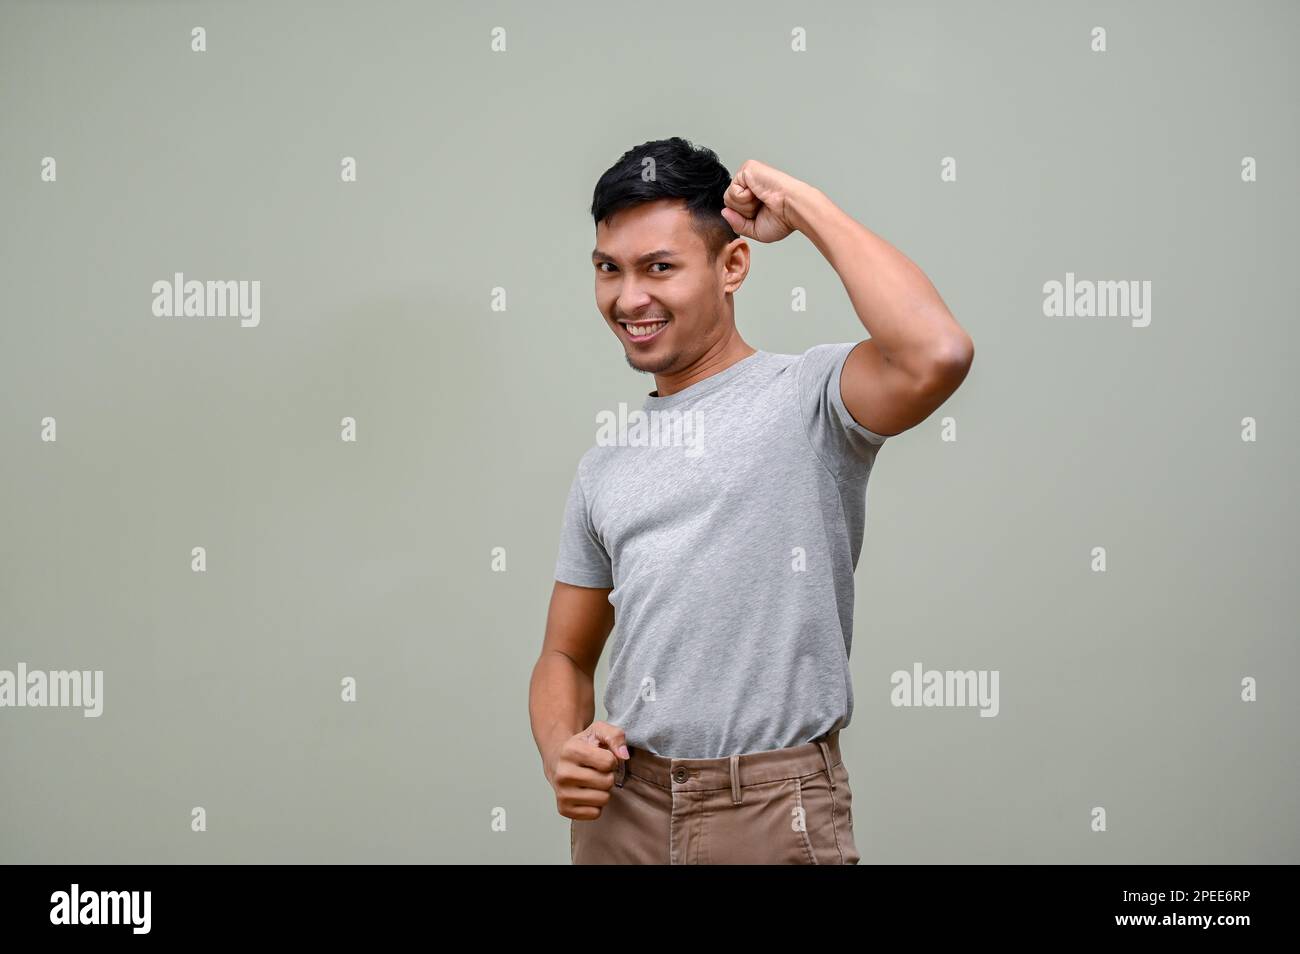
x=658, y=290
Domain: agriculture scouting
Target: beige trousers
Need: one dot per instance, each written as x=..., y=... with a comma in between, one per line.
x=781, y=806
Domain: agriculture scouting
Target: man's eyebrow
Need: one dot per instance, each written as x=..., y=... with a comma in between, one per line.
x=598, y=255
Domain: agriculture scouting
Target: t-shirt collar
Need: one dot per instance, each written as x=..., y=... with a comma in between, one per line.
x=654, y=402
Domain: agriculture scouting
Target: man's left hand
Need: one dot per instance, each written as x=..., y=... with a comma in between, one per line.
x=756, y=204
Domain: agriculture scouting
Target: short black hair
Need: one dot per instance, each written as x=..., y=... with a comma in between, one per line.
x=681, y=171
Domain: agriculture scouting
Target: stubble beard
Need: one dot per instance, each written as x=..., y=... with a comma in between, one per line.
x=659, y=366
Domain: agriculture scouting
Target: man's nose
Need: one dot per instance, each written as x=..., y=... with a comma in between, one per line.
x=630, y=301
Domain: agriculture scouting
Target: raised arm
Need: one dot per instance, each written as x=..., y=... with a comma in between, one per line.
x=917, y=354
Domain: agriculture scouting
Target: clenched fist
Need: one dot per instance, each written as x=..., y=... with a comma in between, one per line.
x=582, y=771
x=756, y=203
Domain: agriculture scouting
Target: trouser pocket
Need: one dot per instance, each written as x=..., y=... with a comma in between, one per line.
x=827, y=813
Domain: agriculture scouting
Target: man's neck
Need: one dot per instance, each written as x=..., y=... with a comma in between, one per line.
x=710, y=363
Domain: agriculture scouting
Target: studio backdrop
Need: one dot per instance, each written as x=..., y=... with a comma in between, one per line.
x=275, y=558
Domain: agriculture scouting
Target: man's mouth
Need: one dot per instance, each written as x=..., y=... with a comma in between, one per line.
x=642, y=331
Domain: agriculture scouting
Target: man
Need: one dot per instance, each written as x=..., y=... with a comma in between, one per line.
x=725, y=561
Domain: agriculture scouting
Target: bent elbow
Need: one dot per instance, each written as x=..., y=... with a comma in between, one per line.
x=952, y=362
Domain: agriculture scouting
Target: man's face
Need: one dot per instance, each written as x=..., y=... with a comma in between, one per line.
x=656, y=287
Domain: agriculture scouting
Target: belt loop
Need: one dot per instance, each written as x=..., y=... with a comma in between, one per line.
x=622, y=771
x=735, y=779
x=826, y=756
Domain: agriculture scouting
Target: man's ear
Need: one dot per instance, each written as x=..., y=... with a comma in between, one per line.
x=735, y=264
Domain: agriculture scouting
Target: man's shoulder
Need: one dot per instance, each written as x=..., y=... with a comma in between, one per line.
x=812, y=356
x=596, y=460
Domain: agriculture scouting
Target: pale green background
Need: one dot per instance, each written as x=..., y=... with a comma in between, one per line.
x=372, y=559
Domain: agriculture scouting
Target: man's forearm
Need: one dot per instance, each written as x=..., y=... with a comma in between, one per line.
x=562, y=702
x=898, y=305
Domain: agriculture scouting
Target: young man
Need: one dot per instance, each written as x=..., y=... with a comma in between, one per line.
x=722, y=548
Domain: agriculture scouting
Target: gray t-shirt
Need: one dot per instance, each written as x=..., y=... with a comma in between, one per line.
x=729, y=529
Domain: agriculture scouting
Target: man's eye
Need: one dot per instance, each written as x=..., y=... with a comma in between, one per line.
x=600, y=266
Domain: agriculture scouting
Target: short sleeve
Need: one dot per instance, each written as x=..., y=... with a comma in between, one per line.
x=582, y=559
x=846, y=447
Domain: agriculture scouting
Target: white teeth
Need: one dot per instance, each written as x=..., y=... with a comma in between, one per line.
x=641, y=331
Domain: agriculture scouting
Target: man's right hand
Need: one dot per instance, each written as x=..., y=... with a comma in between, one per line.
x=582, y=772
